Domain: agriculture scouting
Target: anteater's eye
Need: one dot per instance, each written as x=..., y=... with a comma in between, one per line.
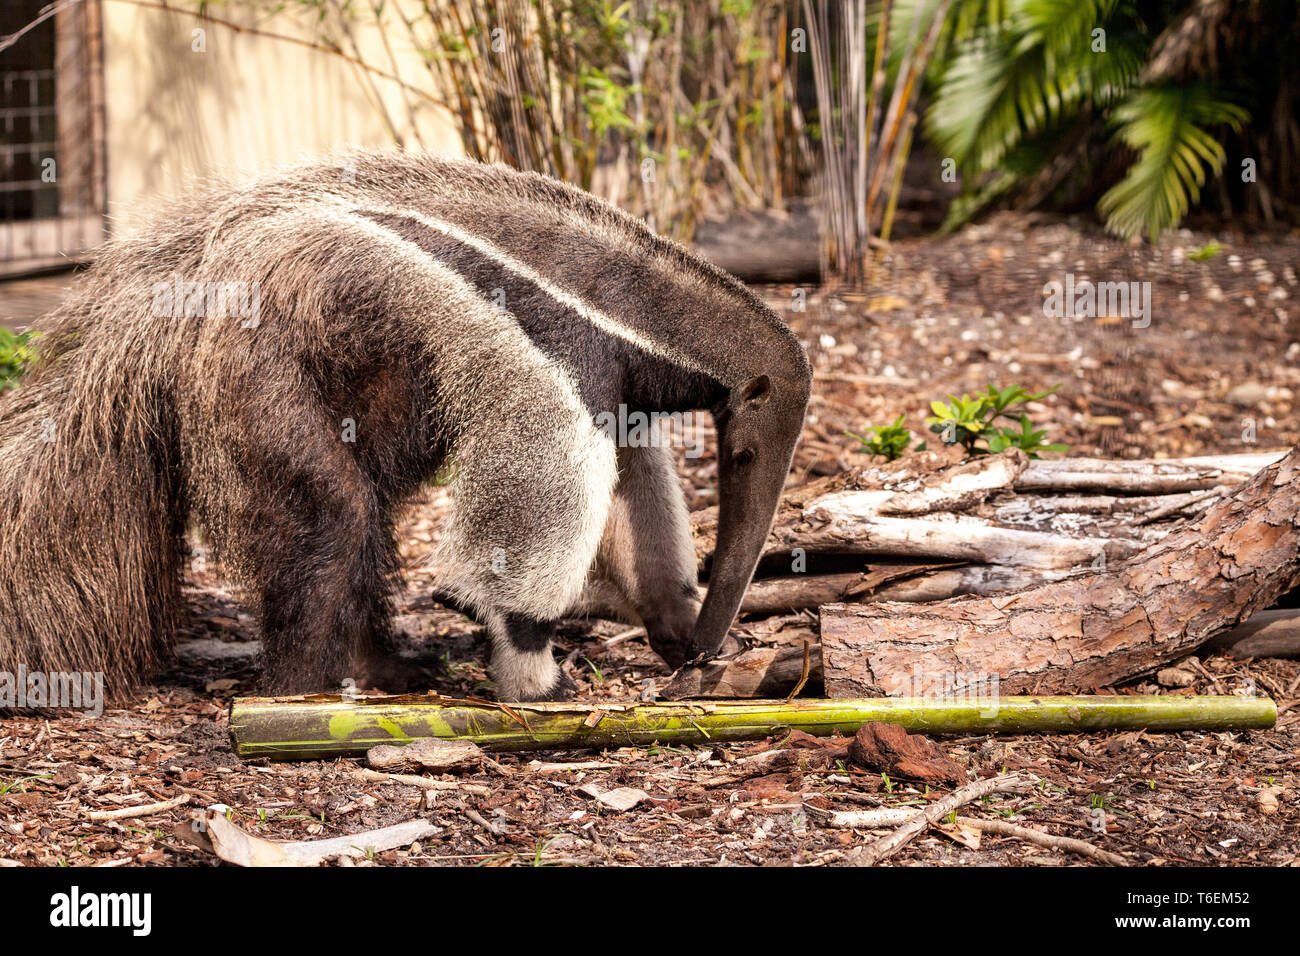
x=744, y=457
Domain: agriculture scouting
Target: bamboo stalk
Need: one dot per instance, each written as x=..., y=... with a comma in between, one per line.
x=325, y=727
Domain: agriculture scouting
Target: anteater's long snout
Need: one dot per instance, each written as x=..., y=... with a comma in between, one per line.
x=757, y=434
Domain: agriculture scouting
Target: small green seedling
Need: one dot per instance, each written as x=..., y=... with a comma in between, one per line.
x=888, y=441
x=1027, y=439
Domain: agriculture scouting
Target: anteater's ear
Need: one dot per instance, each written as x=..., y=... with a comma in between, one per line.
x=756, y=392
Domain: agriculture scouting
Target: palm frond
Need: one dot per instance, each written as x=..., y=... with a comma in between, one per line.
x=1166, y=125
x=1024, y=76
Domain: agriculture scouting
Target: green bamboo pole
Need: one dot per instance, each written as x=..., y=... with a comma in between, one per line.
x=324, y=727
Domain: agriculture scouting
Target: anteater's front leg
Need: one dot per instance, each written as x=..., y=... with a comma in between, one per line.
x=522, y=661
x=647, y=550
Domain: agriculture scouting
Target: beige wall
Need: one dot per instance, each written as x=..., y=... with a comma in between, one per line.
x=246, y=104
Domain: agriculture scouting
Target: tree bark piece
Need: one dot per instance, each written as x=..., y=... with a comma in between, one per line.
x=890, y=749
x=429, y=754
x=1088, y=631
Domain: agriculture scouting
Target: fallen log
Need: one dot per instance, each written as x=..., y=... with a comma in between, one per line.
x=773, y=669
x=1086, y=631
x=764, y=245
x=1145, y=477
x=322, y=727
x=1268, y=634
x=996, y=510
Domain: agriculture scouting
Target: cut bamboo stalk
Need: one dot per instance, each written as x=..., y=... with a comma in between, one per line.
x=323, y=727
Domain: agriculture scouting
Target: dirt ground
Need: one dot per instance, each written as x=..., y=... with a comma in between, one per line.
x=1215, y=371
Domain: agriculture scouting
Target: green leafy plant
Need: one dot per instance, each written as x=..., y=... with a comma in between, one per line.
x=665, y=109
x=972, y=421
x=1205, y=252
x=19, y=782
x=1027, y=439
x=16, y=354
x=888, y=441
x=1167, y=127
x=1025, y=91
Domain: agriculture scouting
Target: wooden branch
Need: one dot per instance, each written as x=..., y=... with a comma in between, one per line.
x=144, y=810
x=840, y=527
x=213, y=832
x=1038, y=837
x=873, y=853
x=781, y=595
x=756, y=672
x=886, y=579
x=1146, y=477
x=870, y=819
x=998, y=510
x=1087, y=631
x=424, y=783
x=893, y=816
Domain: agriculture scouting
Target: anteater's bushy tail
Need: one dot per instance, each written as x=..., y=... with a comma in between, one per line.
x=90, y=520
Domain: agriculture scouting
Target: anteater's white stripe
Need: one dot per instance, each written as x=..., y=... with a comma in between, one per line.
x=601, y=320
x=400, y=244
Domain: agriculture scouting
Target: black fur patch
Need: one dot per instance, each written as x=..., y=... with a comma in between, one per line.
x=528, y=634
